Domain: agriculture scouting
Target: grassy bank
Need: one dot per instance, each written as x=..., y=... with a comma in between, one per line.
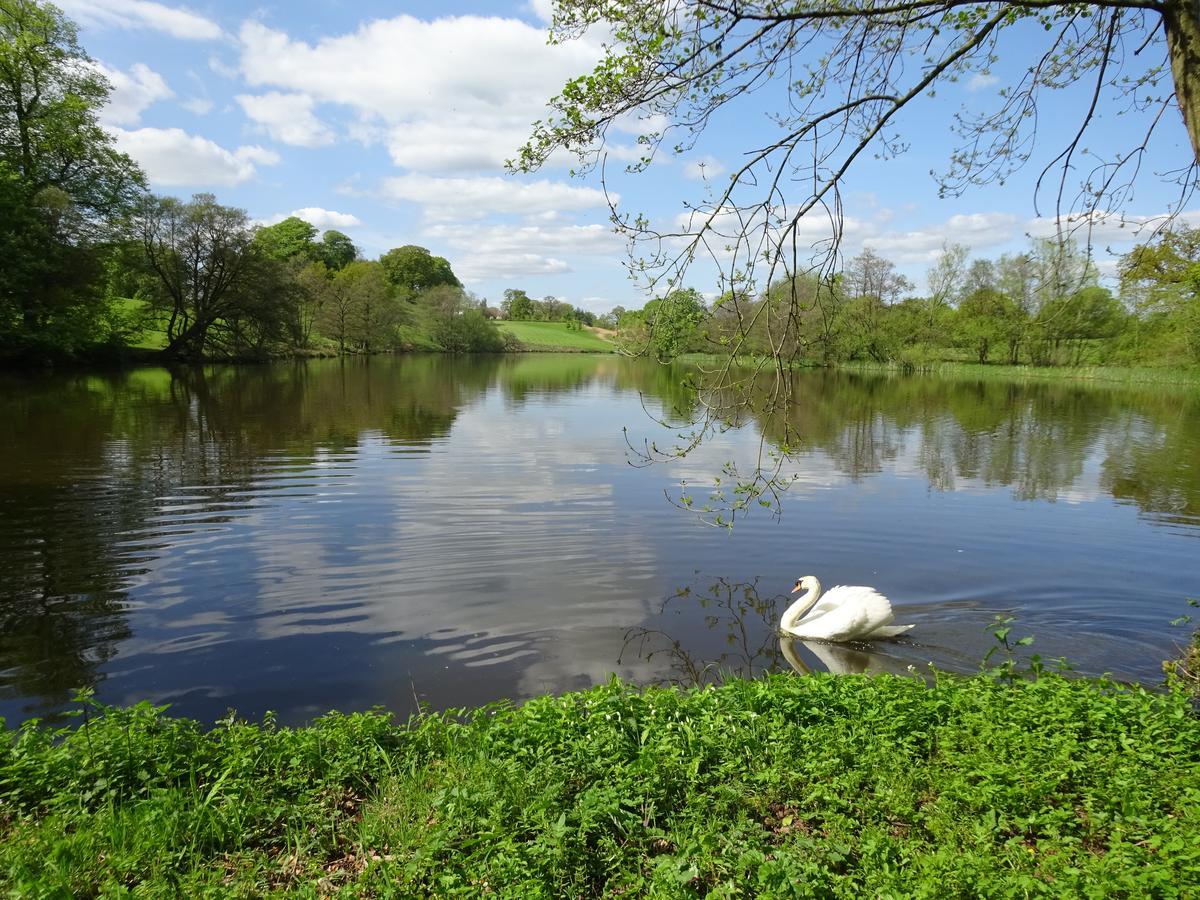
x=817, y=786
x=1107, y=374
x=549, y=336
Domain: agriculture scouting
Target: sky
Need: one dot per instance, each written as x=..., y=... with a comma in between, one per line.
x=392, y=121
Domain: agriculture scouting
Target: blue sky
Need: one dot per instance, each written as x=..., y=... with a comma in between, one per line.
x=391, y=122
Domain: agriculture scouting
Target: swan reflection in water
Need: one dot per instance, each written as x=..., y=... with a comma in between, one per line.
x=839, y=659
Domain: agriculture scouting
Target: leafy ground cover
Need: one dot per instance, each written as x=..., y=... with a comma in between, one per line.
x=555, y=336
x=822, y=786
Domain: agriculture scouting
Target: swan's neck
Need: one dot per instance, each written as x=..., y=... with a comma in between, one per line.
x=800, y=608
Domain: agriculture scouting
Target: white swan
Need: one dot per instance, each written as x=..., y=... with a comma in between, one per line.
x=844, y=613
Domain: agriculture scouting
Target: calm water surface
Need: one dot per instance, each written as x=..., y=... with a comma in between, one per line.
x=345, y=534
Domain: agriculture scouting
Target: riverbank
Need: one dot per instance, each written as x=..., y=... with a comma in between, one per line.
x=1099, y=374
x=818, y=786
x=1115, y=375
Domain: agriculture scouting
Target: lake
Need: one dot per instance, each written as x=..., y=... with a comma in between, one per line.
x=407, y=530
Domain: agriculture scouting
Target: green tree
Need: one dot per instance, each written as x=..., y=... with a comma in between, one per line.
x=287, y=239
x=414, y=269
x=210, y=279
x=1160, y=281
x=62, y=179
x=517, y=306
x=984, y=321
x=373, y=310
x=456, y=324
x=337, y=250
x=50, y=93
x=674, y=322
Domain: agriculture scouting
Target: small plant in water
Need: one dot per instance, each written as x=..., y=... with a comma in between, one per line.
x=1012, y=665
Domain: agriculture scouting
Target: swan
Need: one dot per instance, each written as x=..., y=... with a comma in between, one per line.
x=844, y=613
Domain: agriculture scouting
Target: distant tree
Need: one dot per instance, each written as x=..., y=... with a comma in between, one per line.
x=335, y=307
x=611, y=318
x=984, y=321
x=207, y=269
x=374, y=309
x=674, y=322
x=517, y=306
x=980, y=274
x=870, y=275
x=945, y=279
x=456, y=323
x=336, y=250
x=307, y=284
x=1160, y=281
x=413, y=269
x=288, y=239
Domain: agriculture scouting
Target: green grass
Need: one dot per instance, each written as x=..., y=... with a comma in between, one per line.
x=821, y=786
x=1107, y=374
x=555, y=336
x=153, y=336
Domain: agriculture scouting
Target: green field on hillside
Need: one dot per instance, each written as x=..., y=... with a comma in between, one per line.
x=554, y=336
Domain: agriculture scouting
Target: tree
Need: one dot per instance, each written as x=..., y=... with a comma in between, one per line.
x=373, y=309
x=673, y=322
x=456, y=323
x=1160, y=281
x=287, y=239
x=336, y=250
x=207, y=269
x=945, y=279
x=50, y=93
x=414, y=269
x=517, y=306
x=62, y=178
x=985, y=319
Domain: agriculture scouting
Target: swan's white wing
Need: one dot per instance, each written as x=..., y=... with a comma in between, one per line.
x=846, y=613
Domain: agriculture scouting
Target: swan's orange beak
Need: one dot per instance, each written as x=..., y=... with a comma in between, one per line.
x=796, y=588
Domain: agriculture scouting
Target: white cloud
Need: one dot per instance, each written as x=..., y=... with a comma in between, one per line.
x=495, y=251
x=173, y=157
x=706, y=167
x=322, y=219
x=981, y=80
x=132, y=92
x=223, y=68
x=511, y=239
x=138, y=14
x=487, y=250
x=468, y=198
x=543, y=9
x=453, y=93
x=520, y=265
x=198, y=106
x=287, y=118
x=454, y=144
x=1105, y=227
x=975, y=230
x=641, y=123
